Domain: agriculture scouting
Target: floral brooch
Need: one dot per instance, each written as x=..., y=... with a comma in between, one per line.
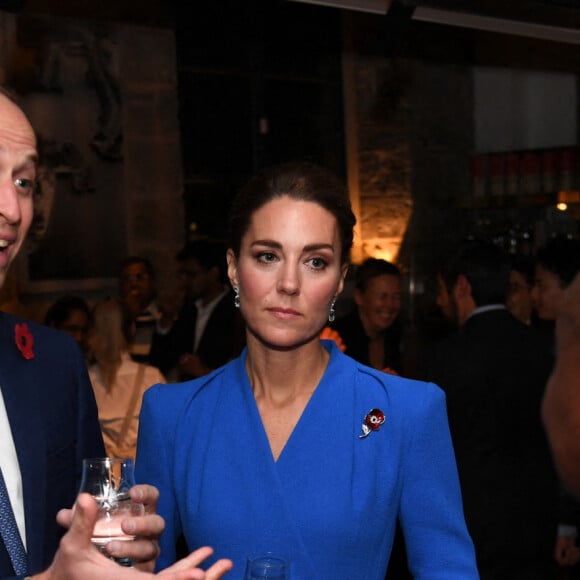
x=373, y=421
x=24, y=340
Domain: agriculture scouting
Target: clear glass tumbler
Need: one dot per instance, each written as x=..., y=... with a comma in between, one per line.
x=108, y=480
x=267, y=566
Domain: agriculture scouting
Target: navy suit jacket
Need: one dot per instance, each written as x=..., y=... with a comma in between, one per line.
x=494, y=371
x=352, y=332
x=222, y=338
x=54, y=422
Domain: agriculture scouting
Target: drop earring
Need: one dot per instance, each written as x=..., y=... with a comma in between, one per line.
x=236, y=297
x=331, y=312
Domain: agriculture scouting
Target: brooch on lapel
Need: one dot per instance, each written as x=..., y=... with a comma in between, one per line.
x=373, y=421
x=24, y=340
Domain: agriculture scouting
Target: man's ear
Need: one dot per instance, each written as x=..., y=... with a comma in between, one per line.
x=462, y=287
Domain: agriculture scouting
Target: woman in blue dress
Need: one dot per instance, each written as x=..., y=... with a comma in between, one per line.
x=295, y=448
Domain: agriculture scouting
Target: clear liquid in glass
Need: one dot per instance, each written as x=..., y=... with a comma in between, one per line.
x=109, y=480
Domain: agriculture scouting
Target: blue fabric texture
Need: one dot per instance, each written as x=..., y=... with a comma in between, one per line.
x=330, y=502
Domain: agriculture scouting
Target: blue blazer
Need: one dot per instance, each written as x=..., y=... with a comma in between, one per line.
x=330, y=502
x=54, y=421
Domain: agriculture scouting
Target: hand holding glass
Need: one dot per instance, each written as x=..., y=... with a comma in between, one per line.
x=108, y=480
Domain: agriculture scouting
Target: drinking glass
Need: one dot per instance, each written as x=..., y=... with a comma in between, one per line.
x=108, y=480
x=267, y=566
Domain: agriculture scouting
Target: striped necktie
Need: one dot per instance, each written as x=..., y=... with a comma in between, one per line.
x=10, y=534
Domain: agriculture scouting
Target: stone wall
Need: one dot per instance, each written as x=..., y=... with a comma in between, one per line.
x=414, y=134
x=411, y=123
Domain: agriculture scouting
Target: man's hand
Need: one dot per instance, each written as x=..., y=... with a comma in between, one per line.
x=78, y=559
x=144, y=550
x=566, y=552
x=215, y=572
x=192, y=365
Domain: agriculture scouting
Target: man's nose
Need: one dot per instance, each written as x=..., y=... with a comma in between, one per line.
x=9, y=202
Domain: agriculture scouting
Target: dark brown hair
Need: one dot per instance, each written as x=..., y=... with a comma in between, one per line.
x=561, y=257
x=372, y=268
x=302, y=181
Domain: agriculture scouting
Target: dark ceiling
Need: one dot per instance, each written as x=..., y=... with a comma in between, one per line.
x=521, y=33
x=555, y=13
x=558, y=13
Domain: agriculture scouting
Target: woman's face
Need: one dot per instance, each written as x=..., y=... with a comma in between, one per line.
x=77, y=325
x=380, y=303
x=288, y=271
x=547, y=293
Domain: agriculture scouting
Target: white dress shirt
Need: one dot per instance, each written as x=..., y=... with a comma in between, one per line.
x=11, y=470
x=203, y=314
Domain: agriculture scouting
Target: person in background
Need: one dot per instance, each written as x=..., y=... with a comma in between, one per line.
x=493, y=370
x=49, y=423
x=556, y=265
x=207, y=331
x=137, y=290
x=561, y=403
x=70, y=314
x=118, y=381
x=294, y=447
x=371, y=334
x=372, y=331
x=519, y=296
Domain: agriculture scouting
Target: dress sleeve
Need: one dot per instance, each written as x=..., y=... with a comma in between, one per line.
x=154, y=465
x=438, y=544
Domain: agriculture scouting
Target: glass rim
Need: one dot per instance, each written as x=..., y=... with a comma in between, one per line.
x=107, y=460
x=271, y=559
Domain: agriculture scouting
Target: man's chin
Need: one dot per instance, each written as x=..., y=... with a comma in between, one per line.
x=3, y=273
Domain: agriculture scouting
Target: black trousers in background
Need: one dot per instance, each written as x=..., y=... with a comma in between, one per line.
x=398, y=569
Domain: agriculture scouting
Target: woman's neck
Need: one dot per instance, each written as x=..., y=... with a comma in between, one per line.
x=285, y=375
x=283, y=383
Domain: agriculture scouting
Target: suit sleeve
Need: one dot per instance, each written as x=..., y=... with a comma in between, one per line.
x=89, y=436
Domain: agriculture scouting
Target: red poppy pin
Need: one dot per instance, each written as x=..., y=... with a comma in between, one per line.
x=373, y=421
x=24, y=340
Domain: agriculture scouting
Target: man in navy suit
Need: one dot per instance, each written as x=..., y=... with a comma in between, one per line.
x=208, y=330
x=494, y=371
x=48, y=416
